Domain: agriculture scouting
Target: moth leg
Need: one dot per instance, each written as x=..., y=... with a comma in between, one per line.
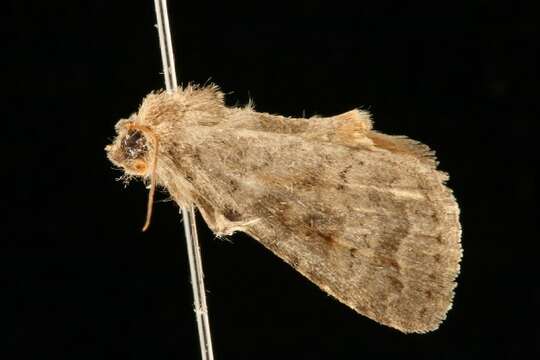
x=224, y=226
x=224, y=222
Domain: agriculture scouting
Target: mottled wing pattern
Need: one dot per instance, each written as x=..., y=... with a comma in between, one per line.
x=373, y=226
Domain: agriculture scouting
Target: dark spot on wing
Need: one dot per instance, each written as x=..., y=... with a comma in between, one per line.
x=396, y=284
x=389, y=262
x=309, y=180
x=231, y=214
x=343, y=177
x=326, y=237
x=343, y=173
x=233, y=185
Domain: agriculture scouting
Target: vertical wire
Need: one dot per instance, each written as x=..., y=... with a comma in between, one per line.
x=188, y=213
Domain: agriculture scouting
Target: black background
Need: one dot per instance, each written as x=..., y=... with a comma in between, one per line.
x=83, y=282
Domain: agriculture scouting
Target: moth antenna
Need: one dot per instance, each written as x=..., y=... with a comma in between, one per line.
x=153, y=177
x=153, y=181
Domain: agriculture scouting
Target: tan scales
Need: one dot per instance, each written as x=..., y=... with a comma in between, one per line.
x=365, y=216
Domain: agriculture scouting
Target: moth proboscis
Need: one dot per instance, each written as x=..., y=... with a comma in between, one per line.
x=364, y=215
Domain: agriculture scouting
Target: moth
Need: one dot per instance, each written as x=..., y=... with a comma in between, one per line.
x=364, y=215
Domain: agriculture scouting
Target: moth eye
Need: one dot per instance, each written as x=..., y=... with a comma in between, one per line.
x=134, y=144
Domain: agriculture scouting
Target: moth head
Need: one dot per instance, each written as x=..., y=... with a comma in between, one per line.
x=135, y=149
x=132, y=148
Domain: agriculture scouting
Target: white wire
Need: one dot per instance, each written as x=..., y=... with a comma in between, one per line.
x=188, y=213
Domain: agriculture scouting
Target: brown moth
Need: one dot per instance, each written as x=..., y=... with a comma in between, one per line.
x=365, y=216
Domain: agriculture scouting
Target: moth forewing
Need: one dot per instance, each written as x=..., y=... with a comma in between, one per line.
x=364, y=215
